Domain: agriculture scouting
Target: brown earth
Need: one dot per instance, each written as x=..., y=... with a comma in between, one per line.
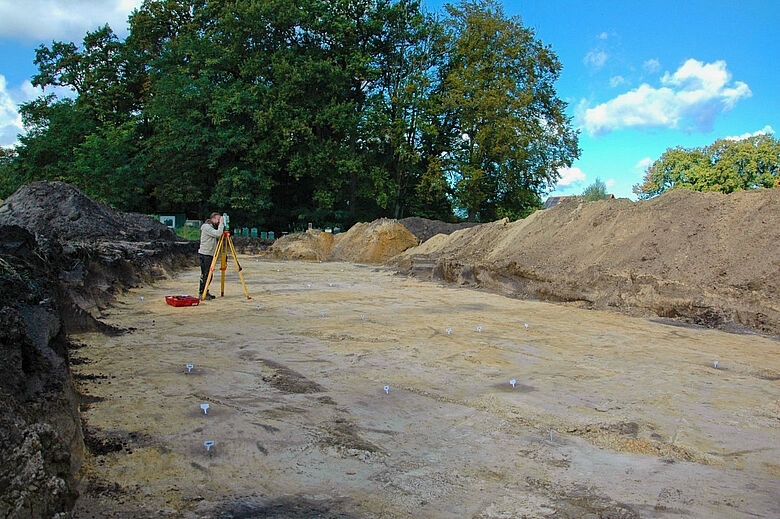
x=426, y=229
x=611, y=416
x=374, y=242
x=61, y=266
x=60, y=210
x=703, y=258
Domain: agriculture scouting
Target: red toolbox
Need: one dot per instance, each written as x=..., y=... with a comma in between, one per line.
x=184, y=300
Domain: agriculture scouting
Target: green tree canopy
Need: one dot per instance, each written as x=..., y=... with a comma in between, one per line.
x=725, y=166
x=292, y=111
x=596, y=191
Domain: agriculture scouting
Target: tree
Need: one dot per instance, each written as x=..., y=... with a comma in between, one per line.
x=725, y=166
x=281, y=112
x=596, y=191
x=506, y=130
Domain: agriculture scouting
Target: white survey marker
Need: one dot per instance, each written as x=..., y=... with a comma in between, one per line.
x=208, y=444
x=387, y=389
x=189, y=368
x=205, y=408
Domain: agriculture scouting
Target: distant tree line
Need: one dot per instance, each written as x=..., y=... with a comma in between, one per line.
x=727, y=165
x=290, y=111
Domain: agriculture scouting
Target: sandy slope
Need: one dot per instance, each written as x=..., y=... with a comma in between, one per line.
x=705, y=258
x=643, y=425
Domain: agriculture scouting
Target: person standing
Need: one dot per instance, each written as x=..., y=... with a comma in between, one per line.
x=210, y=232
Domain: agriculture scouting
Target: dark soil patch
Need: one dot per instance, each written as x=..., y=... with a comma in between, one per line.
x=288, y=381
x=295, y=507
x=424, y=229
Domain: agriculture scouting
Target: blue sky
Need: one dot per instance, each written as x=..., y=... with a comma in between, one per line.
x=639, y=77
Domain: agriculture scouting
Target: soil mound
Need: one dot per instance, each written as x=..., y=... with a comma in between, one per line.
x=60, y=210
x=704, y=258
x=374, y=242
x=311, y=245
x=60, y=268
x=40, y=431
x=426, y=229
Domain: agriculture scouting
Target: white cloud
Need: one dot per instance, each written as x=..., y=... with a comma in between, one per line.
x=651, y=66
x=616, y=81
x=570, y=176
x=643, y=164
x=689, y=99
x=10, y=99
x=10, y=120
x=603, y=36
x=766, y=130
x=610, y=182
x=61, y=19
x=595, y=58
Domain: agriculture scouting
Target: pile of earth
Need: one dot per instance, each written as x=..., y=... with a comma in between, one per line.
x=426, y=229
x=374, y=242
x=63, y=259
x=60, y=210
x=104, y=251
x=703, y=258
x=251, y=245
x=40, y=431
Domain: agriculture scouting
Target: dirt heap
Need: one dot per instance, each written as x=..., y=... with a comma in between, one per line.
x=426, y=229
x=311, y=245
x=61, y=265
x=250, y=245
x=104, y=251
x=704, y=258
x=60, y=210
x=374, y=242
x=40, y=431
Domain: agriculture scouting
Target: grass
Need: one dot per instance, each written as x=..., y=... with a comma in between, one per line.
x=188, y=233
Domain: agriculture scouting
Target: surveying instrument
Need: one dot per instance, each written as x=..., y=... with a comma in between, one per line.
x=221, y=252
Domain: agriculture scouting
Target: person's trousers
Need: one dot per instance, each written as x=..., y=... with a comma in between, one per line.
x=205, y=263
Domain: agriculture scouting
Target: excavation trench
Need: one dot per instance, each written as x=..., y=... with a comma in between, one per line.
x=610, y=415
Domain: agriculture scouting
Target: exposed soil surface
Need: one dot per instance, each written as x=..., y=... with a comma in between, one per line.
x=426, y=229
x=61, y=266
x=60, y=210
x=610, y=415
x=375, y=242
x=703, y=258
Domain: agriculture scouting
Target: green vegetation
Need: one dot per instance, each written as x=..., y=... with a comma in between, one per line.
x=725, y=166
x=596, y=191
x=188, y=233
x=293, y=111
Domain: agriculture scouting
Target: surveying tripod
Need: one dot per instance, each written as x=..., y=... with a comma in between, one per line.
x=221, y=252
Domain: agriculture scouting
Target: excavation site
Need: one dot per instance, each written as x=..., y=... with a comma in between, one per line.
x=401, y=369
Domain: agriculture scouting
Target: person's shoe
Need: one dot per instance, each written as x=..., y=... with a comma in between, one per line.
x=209, y=297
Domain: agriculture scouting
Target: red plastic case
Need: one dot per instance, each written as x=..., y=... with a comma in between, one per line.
x=182, y=300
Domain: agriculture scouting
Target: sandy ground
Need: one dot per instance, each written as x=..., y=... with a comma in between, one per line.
x=611, y=416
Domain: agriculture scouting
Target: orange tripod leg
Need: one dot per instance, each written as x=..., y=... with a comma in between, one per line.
x=238, y=268
x=220, y=244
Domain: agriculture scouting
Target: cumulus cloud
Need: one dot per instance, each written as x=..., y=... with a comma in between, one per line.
x=616, y=81
x=61, y=19
x=766, y=130
x=595, y=58
x=689, y=99
x=10, y=99
x=603, y=36
x=643, y=164
x=651, y=66
x=610, y=182
x=10, y=120
x=570, y=176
